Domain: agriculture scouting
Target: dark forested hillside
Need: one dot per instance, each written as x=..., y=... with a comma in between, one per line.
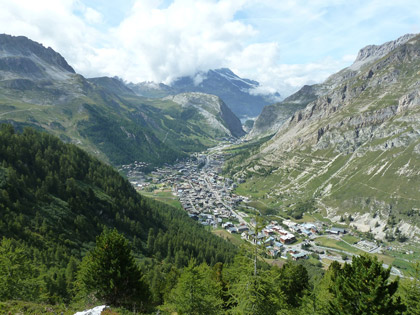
x=55, y=199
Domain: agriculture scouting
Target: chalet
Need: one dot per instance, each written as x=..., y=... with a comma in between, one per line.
x=287, y=239
x=306, y=232
x=193, y=216
x=269, y=241
x=289, y=223
x=232, y=230
x=227, y=225
x=336, y=231
x=299, y=255
x=314, y=230
x=277, y=245
x=244, y=236
x=242, y=228
x=272, y=251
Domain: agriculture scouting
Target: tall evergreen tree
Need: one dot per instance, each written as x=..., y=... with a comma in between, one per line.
x=17, y=277
x=111, y=274
x=411, y=290
x=196, y=293
x=253, y=293
x=363, y=288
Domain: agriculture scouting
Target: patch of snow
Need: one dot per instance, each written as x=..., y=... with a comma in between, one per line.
x=232, y=79
x=94, y=311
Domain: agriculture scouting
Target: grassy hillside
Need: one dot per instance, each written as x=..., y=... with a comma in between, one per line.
x=117, y=129
x=55, y=199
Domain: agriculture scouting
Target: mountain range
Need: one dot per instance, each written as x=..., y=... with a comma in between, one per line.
x=354, y=149
x=102, y=115
x=238, y=93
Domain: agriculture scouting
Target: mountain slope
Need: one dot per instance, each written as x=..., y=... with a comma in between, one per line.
x=236, y=92
x=273, y=116
x=102, y=115
x=356, y=148
x=215, y=112
x=55, y=199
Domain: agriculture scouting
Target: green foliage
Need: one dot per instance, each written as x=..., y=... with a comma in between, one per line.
x=411, y=292
x=110, y=272
x=301, y=207
x=17, y=276
x=363, y=288
x=293, y=280
x=253, y=293
x=55, y=199
x=196, y=292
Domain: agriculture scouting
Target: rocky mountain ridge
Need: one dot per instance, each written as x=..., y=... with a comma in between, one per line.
x=273, y=116
x=355, y=149
x=22, y=58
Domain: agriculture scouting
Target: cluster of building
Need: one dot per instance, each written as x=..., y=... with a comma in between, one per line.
x=209, y=199
x=276, y=237
x=205, y=195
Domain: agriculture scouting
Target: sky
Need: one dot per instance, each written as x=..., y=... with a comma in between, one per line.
x=283, y=44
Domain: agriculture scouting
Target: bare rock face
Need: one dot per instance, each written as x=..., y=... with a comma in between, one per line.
x=21, y=57
x=374, y=52
x=274, y=116
x=213, y=109
x=355, y=148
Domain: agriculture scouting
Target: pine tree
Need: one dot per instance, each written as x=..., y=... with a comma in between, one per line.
x=363, y=288
x=196, y=293
x=411, y=289
x=111, y=274
x=253, y=293
x=17, y=276
x=293, y=280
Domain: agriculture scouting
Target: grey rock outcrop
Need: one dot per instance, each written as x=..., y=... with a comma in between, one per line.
x=355, y=148
x=213, y=109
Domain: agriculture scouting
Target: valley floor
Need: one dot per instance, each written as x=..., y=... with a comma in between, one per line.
x=198, y=187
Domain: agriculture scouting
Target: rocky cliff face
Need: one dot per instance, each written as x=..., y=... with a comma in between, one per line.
x=215, y=112
x=21, y=58
x=356, y=148
x=273, y=116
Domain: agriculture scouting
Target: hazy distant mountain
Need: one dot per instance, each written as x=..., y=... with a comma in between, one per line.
x=102, y=115
x=236, y=92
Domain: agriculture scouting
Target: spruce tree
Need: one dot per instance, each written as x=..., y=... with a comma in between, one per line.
x=363, y=288
x=111, y=274
x=196, y=293
x=411, y=292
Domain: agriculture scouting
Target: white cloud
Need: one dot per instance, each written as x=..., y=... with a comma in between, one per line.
x=281, y=44
x=187, y=36
x=92, y=16
x=52, y=23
